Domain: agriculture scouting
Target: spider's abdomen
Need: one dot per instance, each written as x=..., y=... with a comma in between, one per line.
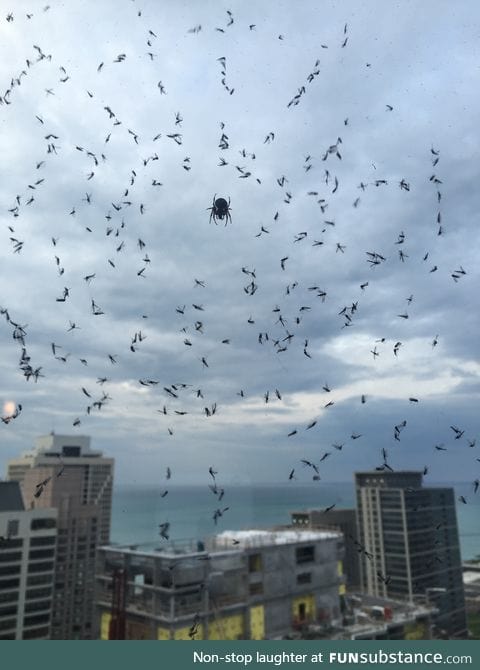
x=221, y=205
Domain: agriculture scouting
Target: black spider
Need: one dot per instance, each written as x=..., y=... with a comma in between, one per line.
x=220, y=209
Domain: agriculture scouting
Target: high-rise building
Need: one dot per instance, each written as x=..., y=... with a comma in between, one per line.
x=65, y=473
x=409, y=544
x=27, y=560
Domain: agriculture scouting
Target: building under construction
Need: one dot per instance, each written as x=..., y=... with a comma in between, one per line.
x=344, y=520
x=253, y=584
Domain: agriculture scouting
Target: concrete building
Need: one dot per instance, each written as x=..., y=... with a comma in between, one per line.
x=65, y=473
x=370, y=618
x=27, y=559
x=253, y=584
x=344, y=520
x=409, y=544
x=471, y=585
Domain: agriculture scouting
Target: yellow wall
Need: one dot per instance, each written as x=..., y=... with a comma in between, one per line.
x=163, y=634
x=308, y=601
x=416, y=631
x=257, y=622
x=341, y=588
x=105, y=625
x=183, y=633
x=226, y=628
x=221, y=628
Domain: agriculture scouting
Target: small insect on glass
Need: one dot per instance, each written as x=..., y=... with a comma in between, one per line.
x=220, y=210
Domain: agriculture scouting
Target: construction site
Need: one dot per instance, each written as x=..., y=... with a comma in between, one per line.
x=251, y=584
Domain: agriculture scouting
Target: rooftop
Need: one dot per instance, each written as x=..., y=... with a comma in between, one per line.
x=57, y=446
x=471, y=566
x=366, y=616
x=256, y=538
x=227, y=541
x=384, y=479
x=320, y=510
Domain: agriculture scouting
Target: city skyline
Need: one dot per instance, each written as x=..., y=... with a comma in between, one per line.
x=198, y=276
x=398, y=520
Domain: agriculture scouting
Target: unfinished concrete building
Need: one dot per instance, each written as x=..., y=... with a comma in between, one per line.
x=254, y=584
x=344, y=520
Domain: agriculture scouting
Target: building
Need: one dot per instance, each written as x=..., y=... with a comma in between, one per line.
x=370, y=618
x=471, y=585
x=344, y=520
x=27, y=560
x=409, y=545
x=254, y=584
x=77, y=481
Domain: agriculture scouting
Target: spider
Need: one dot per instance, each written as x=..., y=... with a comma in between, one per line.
x=220, y=209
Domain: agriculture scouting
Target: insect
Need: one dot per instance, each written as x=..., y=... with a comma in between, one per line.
x=220, y=209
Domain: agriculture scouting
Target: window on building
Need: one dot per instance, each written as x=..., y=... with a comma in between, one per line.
x=8, y=610
x=8, y=624
x=256, y=589
x=35, y=580
x=38, y=593
x=38, y=606
x=36, y=619
x=305, y=554
x=35, y=633
x=41, y=553
x=9, y=584
x=10, y=556
x=40, y=567
x=10, y=597
x=255, y=563
x=72, y=452
x=10, y=544
x=42, y=524
x=42, y=541
x=12, y=527
x=9, y=570
x=304, y=578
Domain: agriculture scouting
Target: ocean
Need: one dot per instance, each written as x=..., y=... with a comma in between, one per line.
x=137, y=511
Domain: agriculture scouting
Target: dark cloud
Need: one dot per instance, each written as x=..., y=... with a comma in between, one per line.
x=420, y=62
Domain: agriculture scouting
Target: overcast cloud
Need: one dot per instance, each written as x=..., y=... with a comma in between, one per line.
x=420, y=59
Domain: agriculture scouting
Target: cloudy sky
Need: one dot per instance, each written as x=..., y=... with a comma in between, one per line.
x=377, y=153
